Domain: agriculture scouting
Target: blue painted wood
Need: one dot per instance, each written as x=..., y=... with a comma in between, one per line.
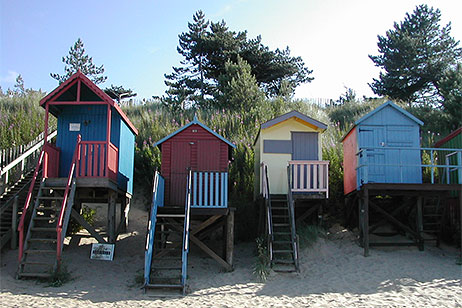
x=92, y=120
x=206, y=187
x=217, y=180
x=223, y=187
x=200, y=189
x=389, y=133
x=195, y=188
x=157, y=199
x=126, y=157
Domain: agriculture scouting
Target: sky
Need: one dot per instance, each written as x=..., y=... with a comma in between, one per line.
x=136, y=40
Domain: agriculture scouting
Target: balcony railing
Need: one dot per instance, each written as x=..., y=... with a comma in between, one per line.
x=310, y=176
x=405, y=165
x=95, y=162
x=209, y=189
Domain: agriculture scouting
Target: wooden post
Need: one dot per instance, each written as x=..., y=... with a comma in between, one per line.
x=111, y=216
x=360, y=220
x=420, y=223
x=460, y=222
x=230, y=237
x=124, y=210
x=366, y=222
x=14, y=222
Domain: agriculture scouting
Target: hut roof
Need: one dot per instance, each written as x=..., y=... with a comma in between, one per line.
x=294, y=114
x=101, y=97
x=194, y=122
x=378, y=109
x=448, y=137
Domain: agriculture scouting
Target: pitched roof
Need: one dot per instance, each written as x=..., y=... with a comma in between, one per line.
x=194, y=122
x=79, y=76
x=391, y=104
x=448, y=137
x=293, y=114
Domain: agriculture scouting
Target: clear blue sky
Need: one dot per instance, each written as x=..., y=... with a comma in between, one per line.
x=136, y=40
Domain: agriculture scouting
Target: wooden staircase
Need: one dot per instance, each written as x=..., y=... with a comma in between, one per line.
x=9, y=212
x=40, y=256
x=432, y=216
x=167, y=242
x=280, y=222
x=284, y=246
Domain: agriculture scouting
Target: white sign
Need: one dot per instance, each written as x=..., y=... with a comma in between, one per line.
x=74, y=127
x=102, y=252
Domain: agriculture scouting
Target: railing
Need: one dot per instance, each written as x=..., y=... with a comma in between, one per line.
x=310, y=176
x=51, y=161
x=157, y=200
x=209, y=189
x=27, y=204
x=187, y=214
x=290, y=205
x=15, y=163
x=93, y=160
x=9, y=155
x=397, y=167
x=66, y=206
x=267, y=197
x=450, y=177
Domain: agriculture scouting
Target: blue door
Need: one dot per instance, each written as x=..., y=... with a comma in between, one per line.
x=372, y=169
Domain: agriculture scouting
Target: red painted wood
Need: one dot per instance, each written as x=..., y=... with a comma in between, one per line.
x=350, y=148
x=208, y=158
x=113, y=162
x=79, y=83
x=181, y=158
x=51, y=161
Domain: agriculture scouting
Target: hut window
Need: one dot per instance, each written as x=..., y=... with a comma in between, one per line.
x=277, y=146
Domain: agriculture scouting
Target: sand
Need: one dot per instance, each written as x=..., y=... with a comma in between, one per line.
x=333, y=274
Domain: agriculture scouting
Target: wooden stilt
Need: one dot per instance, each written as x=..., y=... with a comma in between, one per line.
x=14, y=221
x=360, y=220
x=230, y=237
x=420, y=222
x=460, y=226
x=124, y=210
x=87, y=226
x=111, y=216
x=366, y=222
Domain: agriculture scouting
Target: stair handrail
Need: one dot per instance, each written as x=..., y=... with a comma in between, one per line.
x=267, y=197
x=27, y=204
x=151, y=228
x=290, y=201
x=187, y=215
x=59, y=226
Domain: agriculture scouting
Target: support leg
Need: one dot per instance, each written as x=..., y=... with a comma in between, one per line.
x=14, y=222
x=124, y=209
x=420, y=223
x=360, y=221
x=111, y=216
x=230, y=237
x=366, y=222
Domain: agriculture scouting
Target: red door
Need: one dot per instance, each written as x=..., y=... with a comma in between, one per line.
x=208, y=155
x=181, y=162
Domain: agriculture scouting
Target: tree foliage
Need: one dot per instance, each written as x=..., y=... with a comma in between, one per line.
x=207, y=48
x=414, y=56
x=78, y=60
x=119, y=92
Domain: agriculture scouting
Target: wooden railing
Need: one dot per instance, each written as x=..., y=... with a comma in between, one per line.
x=187, y=217
x=397, y=171
x=290, y=205
x=209, y=189
x=95, y=160
x=66, y=206
x=27, y=204
x=157, y=200
x=16, y=163
x=267, y=198
x=310, y=176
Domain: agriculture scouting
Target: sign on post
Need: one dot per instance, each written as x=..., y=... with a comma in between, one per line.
x=102, y=252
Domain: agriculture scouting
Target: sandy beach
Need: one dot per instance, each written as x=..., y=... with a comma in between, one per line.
x=333, y=274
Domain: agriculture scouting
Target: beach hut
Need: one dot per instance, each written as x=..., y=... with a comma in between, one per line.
x=191, y=186
x=384, y=184
x=449, y=157
x=289, y=173
x=91, y=162
x=388, y=126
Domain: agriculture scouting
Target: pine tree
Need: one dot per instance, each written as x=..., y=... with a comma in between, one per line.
x=78, y=60
x=414, y=56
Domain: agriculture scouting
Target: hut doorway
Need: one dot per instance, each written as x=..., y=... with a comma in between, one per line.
x=304, y=146
x=181, y=155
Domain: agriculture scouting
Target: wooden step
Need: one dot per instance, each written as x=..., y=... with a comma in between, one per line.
x=280, y=225
x=37, y=263
x=50, y=198
x=283, y=250
x=279, y=208
x=39, y=275
x=43, y=229
x=54, y=187
x=282, y=261
x=47, y=208
x=163, y=286
x=46, y=240
x=170, y=215
x=166, y=268
x=36, y=251
x=44, y=218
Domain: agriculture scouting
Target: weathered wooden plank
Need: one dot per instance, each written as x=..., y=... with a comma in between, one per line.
x=230, y=238
x=111, y=217
x=87, y=226
x=210, y=252
x=366, y=222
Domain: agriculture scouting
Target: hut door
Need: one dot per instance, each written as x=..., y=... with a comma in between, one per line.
x=208, y=155
x=304, y=146
x=181, y=161
x=372, y=136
